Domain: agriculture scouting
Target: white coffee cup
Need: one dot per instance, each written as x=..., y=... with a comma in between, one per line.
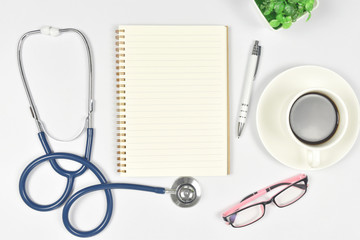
x=312, y=151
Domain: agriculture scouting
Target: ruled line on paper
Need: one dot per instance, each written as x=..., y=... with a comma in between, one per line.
x=172, y=148
x=172, y=54
x=145, y=98
x=171, y=72
x=172, y=60
x=164, y=47
x=174, y=123
x=182, y=110
x=175, y=161
x=175, y=67
x=189, y=167
x=172, y=138
x=178, y=142
x=176, y=104
x=164, y=35
x=171, y=85
x=130, y=41
x=171, y=79
x=173, y=91
x=167, y=155
x=167, y=129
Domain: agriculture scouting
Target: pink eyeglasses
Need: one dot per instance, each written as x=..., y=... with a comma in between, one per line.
x=247, y=212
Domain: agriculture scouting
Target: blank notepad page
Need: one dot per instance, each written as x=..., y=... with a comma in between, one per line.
x=172, y=100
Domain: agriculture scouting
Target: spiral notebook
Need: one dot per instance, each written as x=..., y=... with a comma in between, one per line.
x=172, y=100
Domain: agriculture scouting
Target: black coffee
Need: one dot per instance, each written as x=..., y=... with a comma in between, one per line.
x=314, y=118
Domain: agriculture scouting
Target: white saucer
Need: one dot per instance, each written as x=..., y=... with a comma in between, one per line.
x=278, y=95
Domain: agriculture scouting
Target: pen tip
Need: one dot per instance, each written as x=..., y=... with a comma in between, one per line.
x=240, y=128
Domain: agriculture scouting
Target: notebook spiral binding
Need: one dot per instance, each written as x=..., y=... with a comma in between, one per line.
x=120, y=101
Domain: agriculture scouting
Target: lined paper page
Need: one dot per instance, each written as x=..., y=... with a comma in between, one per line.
x=173, y=100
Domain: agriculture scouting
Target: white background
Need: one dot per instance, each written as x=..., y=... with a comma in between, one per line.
x=57, y=76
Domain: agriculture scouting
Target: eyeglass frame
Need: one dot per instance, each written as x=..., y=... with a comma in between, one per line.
x=251, y=197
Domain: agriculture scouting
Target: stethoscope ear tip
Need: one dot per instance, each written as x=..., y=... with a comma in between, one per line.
x=51, y=31
x=185, y=192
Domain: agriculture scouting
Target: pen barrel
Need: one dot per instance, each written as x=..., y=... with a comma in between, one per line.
x=249, y=78
x=243, y=113
x=247, y=86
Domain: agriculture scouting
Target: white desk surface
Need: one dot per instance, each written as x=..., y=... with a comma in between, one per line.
x=331, y=39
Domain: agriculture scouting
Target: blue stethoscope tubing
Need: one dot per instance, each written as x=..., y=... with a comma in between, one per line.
x=66, y=197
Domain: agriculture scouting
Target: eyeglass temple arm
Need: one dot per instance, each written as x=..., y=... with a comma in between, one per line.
x=269, y=189
x=301, y=186
x=284, y=182
x=289, y=181
x=248, y=196
x=245, y=201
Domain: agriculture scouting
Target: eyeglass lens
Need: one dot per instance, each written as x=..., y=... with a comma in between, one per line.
x=247, y=216
x=290, y=195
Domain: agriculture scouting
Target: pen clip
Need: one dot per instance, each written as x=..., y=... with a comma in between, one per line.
x=257, y=62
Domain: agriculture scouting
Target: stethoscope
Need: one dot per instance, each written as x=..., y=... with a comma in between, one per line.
x=185, y=192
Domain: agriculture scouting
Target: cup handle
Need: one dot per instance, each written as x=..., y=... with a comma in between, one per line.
x=313, y=157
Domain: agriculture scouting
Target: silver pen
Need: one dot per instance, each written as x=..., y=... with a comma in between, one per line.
x=252, y=68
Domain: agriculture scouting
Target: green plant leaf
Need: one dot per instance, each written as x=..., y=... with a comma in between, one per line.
x=267, y=12
x=271, y=6
x=279, y=7
x=309, y=17
x=309, y=6
x=286, y=25
x=295, y=16
x=289, y=10
x=280, y=18
x=274, y=23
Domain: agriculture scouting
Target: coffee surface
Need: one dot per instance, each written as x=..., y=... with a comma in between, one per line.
x=313, y=118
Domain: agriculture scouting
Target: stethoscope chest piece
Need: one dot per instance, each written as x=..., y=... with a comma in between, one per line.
x=186, y=192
